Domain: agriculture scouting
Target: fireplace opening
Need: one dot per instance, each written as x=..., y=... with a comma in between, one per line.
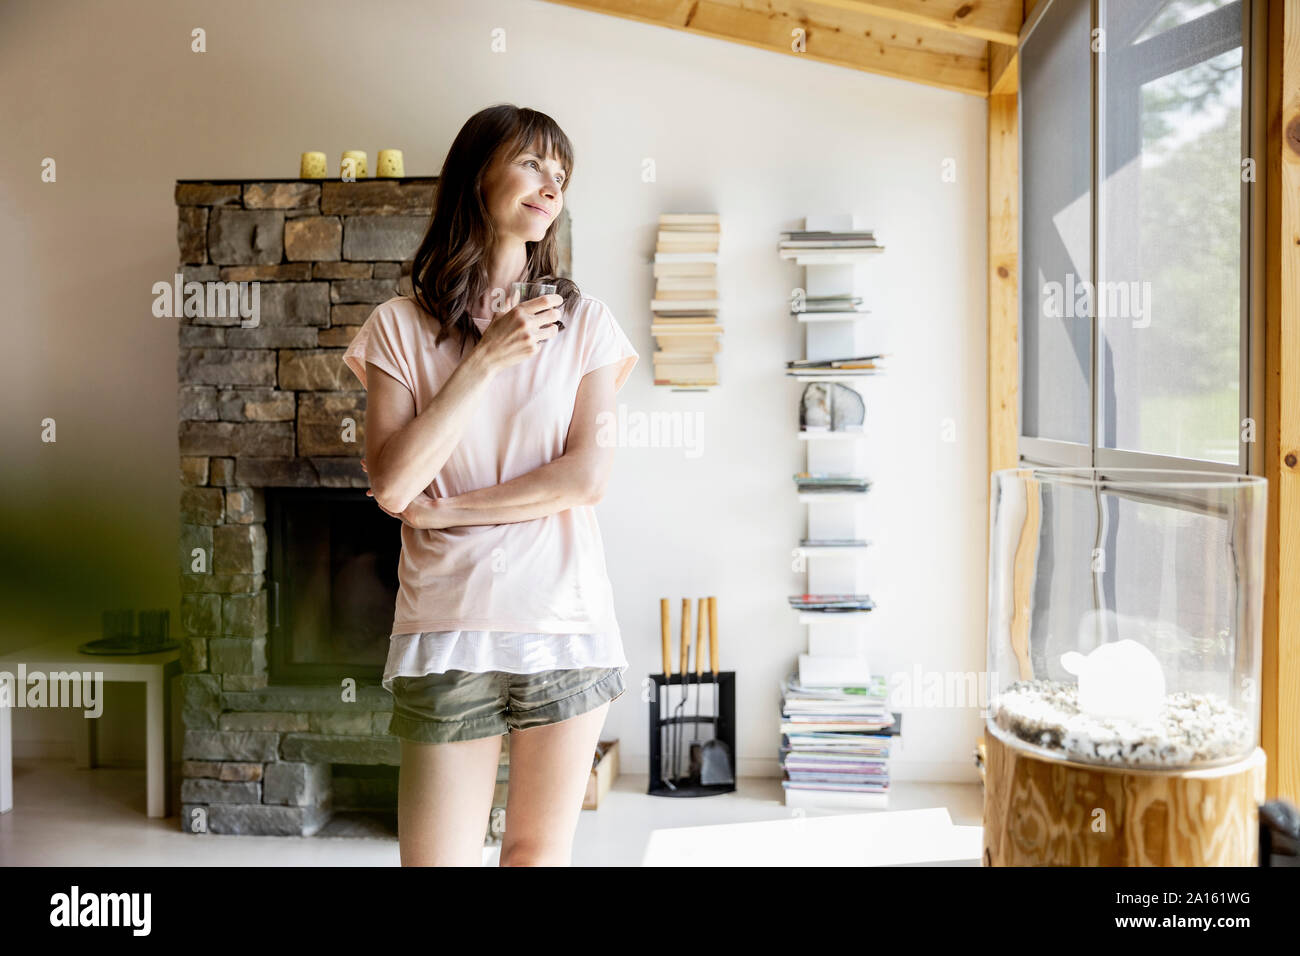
x=332, y=564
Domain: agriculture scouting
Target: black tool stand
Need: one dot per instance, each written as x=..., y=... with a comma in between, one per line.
x=663, y=719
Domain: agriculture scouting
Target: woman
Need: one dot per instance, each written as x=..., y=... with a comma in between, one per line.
x=481, y=436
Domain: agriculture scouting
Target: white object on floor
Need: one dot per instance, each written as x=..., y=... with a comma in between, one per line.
x=828, y=799
x=155, y=671
x=833, y=671
x=888, y=838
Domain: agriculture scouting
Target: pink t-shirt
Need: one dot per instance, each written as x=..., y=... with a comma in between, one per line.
x=543, y=576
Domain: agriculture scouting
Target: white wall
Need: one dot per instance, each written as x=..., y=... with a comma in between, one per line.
x=762, y=139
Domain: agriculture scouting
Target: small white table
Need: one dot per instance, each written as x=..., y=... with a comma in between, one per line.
x=873, y=838
x=154, y=670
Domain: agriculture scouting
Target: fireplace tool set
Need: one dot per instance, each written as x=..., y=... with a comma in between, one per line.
x=682, y=767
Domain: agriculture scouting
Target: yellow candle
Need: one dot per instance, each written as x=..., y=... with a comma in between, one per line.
x=313, y=166
x=389, y=163
x=353, y=165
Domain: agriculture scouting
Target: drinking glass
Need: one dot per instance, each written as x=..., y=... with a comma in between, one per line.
x=523, y=291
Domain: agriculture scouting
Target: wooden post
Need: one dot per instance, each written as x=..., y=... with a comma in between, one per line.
x=1280, y=670
x=1003, y=250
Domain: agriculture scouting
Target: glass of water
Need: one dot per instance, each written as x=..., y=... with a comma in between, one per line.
x=523, y=291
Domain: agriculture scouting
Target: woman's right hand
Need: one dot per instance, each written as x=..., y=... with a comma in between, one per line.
x=516, y=335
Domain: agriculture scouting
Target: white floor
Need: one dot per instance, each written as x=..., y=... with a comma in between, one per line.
x=64, y=816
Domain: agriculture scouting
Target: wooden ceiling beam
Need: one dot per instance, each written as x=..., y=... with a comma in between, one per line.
x=852, y=39
x=1004, y=70
x=997, y=21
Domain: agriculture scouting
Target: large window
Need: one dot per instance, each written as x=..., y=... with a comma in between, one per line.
x=1139, y=313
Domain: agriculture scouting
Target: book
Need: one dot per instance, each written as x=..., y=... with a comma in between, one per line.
x=829, y=244
x=691, y=358
x=683, y=305
x=705, y=346
x=832, y=363
x=802, y=796
x=695, y=344
x=679, y=257
x=711, y=328
x=707, y=240
x=693, y=267
x=828, y=233
x=693, y=370
x=681, y=219
x=830, y=374
x=707, y=294
x=832, y=602
x=679, y=282
x=813, y=482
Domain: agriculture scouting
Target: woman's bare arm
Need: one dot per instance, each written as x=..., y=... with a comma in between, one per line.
x=406, y=451
x=578, y=477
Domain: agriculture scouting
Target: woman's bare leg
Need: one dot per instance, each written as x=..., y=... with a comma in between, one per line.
x=549, y=766
x=444, y=799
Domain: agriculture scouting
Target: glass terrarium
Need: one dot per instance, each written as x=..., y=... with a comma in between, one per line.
x=1125, y=615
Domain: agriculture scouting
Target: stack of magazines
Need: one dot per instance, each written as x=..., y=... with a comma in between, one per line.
x=831, y=602
x=845, y=302
x=833, y=542
x=836, y=743
x=803, y=240
x=854, y=365
x=822, y=482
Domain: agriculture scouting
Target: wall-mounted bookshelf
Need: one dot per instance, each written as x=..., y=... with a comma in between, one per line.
x=846, y=761
x=687, y=331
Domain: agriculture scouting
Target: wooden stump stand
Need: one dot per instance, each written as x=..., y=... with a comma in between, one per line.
x=1043, y=812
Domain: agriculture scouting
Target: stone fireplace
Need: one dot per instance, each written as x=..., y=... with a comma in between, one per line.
x=288, y=570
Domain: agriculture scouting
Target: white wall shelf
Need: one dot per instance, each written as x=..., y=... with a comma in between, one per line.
x=838, y=617
x=838, y=551
x=818, y=497
x=823, y=257
x=839, y=643
x=832, y=436
x=833, y=316
x=831, y=376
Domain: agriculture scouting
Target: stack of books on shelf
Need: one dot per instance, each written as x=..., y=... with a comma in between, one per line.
x=821, y=482
x=801, y=243
x=685, y=305
x=814, y=304
x=836, y=742
x=831, y=603
x=823, y=368
x=833, y=542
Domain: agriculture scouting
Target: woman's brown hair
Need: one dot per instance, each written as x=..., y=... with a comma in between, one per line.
x=450, y=269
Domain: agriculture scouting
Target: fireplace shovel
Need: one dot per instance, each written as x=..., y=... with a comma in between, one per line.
x=666, y=732
x=715, y=756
